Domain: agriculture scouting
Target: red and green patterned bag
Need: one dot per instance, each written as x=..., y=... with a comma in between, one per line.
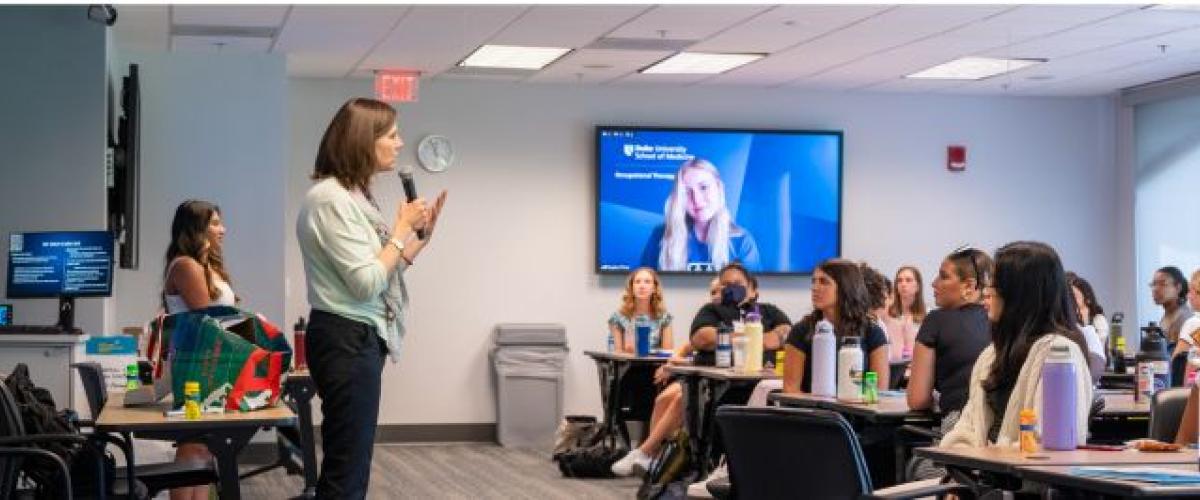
x=237, y=356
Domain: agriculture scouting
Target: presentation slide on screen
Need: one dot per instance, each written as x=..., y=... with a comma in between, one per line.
x=52, y=264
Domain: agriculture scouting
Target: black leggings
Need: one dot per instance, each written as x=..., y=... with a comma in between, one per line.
x=346, y=361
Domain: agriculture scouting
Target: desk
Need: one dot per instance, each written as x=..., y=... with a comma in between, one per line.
x=1006, y=463
x=1121, y=404
x=1111, y=380
x=704, y=389
x=1061, y=477
x=225, y=434
x=626, y=388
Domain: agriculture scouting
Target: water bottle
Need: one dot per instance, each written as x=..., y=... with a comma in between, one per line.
x=1058, y=399
x=870, y=388
x=641, y=332
x=850, y=371
x=754, y=343
x=132, y=381
x=824, y=361
x=1116, y=341
x=191, y=403
x=1193, y=365
x=301, y=361
x=724, y=346
x=612, y=343
x=1153, y=363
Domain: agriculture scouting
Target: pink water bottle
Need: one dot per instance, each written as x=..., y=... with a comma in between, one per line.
x=1058, y=399
x=301, y=361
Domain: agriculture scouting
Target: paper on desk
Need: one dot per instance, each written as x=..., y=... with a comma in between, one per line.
x=1143, y=474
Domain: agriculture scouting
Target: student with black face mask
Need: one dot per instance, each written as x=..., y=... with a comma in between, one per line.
x=739, y=295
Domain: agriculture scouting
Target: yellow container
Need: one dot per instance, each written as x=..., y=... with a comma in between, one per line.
x=780, y=356
x=191, y=406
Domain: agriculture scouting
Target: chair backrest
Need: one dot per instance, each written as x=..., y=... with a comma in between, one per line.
x=1166, y=409
x=896, y=374
x=92, y=376
x=10, y=425
x=1178, y=369
x=792, y=453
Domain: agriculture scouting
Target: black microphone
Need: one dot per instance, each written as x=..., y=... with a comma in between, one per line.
x=410, y=189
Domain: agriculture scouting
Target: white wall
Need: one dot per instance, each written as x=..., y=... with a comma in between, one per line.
x=1166, y=174
x=213, y=128
x=52, y=137
x=516, y=241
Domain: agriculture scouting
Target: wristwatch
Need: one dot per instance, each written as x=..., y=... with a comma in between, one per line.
x=398, y=244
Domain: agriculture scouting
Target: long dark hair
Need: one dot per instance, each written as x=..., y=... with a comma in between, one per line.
x=852, y=302
x=189, y=234
x=1089, y=297
x=1180, y=282
x=1037, y=301
x=877, y=285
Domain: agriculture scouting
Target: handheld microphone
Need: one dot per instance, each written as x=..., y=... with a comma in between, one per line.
x=410, y=189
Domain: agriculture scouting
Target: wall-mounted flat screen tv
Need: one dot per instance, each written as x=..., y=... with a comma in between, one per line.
x=687, y=200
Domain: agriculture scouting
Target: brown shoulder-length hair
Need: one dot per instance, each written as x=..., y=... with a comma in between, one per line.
x=347, y=150
x=918, y=306
x=657, y=309
x=189, y=233
x=853, y=303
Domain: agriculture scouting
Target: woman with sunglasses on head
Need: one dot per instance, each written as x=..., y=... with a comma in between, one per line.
x=952, y=336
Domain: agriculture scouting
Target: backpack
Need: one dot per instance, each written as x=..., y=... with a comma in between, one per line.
x=39, y=415
x=593, y=458
x=670, y=472
x=574, y=432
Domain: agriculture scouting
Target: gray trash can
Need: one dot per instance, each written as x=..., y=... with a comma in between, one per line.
x=528, y=359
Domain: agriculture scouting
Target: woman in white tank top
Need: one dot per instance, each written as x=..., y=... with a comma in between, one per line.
x=195, y=278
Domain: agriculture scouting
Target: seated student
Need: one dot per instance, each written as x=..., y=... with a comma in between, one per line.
x=1029, y=309
x=879, y=297
x=680, y=356
x=839, y=296
x=642, y=297
x=1189, y=333
x=905, y=312
x=1091, y=318
x=739, y=292
x=1168, y=288
x=952, y=336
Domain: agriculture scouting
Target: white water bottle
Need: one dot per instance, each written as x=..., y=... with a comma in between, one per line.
x=824, y=361
x=850, y=371
x=754, y=343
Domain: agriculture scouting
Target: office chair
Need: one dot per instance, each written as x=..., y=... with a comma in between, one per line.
x=803, y=452
x=1166, y=410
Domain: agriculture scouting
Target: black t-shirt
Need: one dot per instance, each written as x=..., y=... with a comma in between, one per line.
x=714, y=315
x=801, y=339
x=957, y=336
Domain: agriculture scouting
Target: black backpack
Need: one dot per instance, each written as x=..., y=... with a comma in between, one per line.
x=594, y=458
x=39, y=415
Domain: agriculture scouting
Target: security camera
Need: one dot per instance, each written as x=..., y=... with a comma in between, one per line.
x=104, y=14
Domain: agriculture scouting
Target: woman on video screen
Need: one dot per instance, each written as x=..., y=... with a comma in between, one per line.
x=698, y=234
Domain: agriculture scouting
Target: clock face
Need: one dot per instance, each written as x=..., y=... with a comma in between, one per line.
x=435, y=153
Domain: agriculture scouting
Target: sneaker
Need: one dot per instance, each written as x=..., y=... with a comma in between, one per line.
x=699, y=489
x=627, y=464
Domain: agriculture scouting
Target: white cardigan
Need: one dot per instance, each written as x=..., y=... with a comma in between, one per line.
x=972, y=427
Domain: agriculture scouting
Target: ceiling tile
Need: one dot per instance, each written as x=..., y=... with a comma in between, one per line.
x=433, y=38
x=571, y=26
x=686, y=22
x=142, y=27
x=228, y=15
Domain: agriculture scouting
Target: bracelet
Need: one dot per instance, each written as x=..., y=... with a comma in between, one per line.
x=406, y=260
x=398, y=244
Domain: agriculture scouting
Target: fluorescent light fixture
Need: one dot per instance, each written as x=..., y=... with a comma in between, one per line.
x=974, y=68
x=700, y=63
x=513, y=57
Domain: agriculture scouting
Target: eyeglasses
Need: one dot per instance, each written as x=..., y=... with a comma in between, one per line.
x=968, y=252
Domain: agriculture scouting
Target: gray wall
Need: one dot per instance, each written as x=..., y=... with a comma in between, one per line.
x=517, y=238
x=53, y=138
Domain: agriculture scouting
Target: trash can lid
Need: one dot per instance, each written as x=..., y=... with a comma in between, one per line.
x=531, y=334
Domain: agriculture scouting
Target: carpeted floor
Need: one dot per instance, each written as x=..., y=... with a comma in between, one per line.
x=453, y=471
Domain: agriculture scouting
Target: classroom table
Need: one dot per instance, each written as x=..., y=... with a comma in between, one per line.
x=626, y=388
x=1112, y=380
x=704, y=389
x=1062, y=478
x=225, y=434
x=880, y=420
x=1006, y=463
x=1120, y=404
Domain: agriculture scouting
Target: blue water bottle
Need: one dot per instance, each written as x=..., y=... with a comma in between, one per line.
x=642, y=335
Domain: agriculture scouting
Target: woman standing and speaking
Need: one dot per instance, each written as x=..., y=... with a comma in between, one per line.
x=354, y=262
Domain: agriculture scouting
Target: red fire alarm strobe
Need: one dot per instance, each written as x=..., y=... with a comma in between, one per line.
x=396, y=85
x=956, y=158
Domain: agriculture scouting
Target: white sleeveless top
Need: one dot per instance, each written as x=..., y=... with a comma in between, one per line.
x=176, y=304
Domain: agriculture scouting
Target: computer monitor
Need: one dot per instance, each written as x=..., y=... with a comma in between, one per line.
x=60, y=264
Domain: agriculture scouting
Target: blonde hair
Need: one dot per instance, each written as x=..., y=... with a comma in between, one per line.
x=672, y=254
x=629, y=303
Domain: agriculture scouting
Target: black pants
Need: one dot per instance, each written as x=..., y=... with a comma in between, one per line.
x=346, y=361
